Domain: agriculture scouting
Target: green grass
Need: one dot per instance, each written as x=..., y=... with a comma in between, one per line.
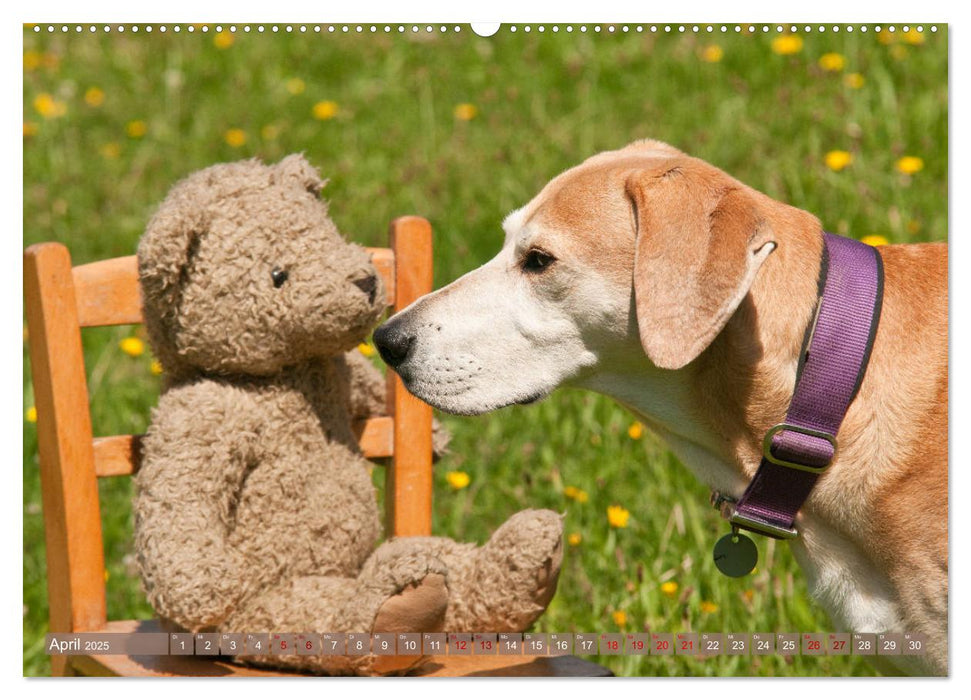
x=395, y=146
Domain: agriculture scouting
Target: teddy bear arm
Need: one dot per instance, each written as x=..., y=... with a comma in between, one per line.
x=367, y=387
x=188, y=490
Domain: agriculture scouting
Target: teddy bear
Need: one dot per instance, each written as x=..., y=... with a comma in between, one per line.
x=255, y=510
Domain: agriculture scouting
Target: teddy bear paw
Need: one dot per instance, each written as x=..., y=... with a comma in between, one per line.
x=517, y=572
x=419, y=607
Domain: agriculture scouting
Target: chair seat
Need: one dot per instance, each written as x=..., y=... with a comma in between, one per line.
x=502, y=666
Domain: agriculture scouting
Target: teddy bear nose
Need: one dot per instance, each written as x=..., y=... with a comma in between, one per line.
x=394, y=343
x=368, y=285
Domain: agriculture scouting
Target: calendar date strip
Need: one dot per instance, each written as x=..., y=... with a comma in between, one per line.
x=697, y=644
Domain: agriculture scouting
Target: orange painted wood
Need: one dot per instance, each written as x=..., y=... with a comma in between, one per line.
x=509, y=667
x=72, y=522
x=434, y=666
x=409, y=502
x=118, y=455
x=375, y=437
x=108, y=293
x=383, y=261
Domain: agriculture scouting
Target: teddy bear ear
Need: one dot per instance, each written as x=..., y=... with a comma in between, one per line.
x=165, y=254
x=295, y=169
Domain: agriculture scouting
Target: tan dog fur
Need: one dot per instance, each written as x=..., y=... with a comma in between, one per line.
x=685, y=295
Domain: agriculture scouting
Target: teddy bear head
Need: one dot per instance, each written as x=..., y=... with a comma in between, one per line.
x=243, y=272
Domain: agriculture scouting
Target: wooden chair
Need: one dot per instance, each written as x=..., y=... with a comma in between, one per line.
x=62, y=300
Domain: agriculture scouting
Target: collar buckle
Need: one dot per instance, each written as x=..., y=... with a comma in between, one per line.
x=762, y=527
x=789, y=427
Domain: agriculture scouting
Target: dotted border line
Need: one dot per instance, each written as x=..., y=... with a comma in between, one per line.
x=512, y=28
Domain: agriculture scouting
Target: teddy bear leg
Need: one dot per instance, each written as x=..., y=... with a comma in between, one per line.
x=399, y=589
x=506, y=584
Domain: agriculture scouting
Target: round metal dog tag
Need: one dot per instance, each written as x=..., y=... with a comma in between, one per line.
x=735, y=555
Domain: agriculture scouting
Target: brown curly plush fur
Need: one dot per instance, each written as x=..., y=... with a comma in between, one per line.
x=255, y=510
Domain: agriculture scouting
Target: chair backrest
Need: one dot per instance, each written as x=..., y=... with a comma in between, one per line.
x=60, y=300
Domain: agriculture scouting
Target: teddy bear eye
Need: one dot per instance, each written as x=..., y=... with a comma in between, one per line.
x=279, y=277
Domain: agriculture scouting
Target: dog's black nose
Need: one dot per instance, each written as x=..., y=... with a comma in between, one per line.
x=393, y=343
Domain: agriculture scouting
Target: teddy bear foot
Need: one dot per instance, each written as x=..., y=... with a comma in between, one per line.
x=513, y=576
x=419, y=607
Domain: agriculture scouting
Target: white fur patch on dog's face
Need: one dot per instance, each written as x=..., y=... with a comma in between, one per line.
x=531, y=319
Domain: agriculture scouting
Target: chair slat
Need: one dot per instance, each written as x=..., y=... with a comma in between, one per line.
x=375, y=436
x=120, y=455
x=108, y=294
x=117, y=455
x=409, y=507
x=72, y=521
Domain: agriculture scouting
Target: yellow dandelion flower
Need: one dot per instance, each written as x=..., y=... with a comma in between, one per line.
x=30, y=128
x=853, y=81
x=132, y=346
x=669, y=588
x=748, y=595
x=31, y=414
x=620, y=618
x=235, y=137
x=574, y=538
x=898, y=51
x=708, y=607
x=617, y=516
x=325, y=109
x=223, y=40
x=884, y=36
x=635, y=431
x=295, y=86
x=48, y=107
x=94, y=96
x=270, y=132
x=457, y=480
x=787, y=44
x=832, y=62
x=366, y=349
x=909, y=165
x=912, y=36
x=571, y=491
x=875, y=240
x=111, y=150
x=136, y=128
x=581, y=496
x=465, y=112
x=837, y=160
x=156, y=368
x=712, y=54
x=32, y=60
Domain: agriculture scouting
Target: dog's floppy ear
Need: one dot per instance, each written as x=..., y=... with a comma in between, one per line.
x=699, y=246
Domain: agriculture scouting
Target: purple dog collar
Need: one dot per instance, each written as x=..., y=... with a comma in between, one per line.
x=796, y=452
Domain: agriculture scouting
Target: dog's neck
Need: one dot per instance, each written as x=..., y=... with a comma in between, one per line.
x=714, y=412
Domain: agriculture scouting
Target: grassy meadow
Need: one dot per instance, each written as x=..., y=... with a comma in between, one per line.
x=462, y=129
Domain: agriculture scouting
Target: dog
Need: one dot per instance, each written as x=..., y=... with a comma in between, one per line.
x=657, y=279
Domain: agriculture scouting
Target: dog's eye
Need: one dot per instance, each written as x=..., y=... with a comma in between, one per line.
x=279, y=277
x=537, y=261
